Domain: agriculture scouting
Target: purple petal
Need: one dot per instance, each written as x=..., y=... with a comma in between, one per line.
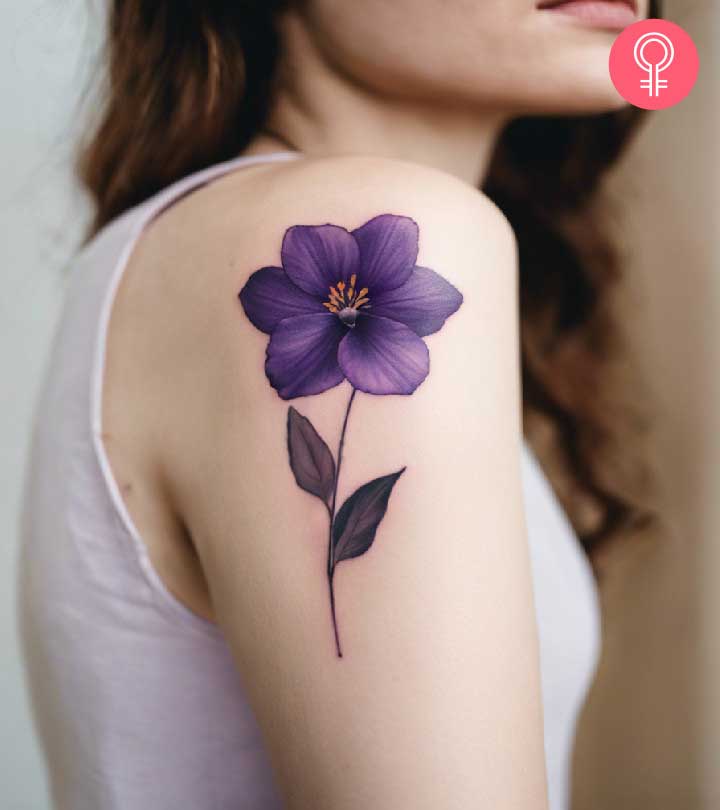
x=388, y=252
x=302, y=355
x=381, y=356
x=423, y=302
x=269, y=296
x=315, y=257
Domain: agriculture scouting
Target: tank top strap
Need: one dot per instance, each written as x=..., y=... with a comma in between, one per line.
x=117, y=241
x=157, y=203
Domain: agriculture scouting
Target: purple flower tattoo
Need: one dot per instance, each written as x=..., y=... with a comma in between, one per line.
x=346, y=305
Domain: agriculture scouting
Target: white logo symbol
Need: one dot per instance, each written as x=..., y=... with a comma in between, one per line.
x=653, y=84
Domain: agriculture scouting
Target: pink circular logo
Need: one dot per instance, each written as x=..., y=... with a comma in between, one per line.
x=654, y=64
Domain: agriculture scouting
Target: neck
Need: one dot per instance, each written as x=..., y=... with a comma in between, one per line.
x=320, y=112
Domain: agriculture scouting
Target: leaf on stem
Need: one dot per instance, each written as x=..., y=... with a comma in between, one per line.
x=310, y=458
x=359, y=517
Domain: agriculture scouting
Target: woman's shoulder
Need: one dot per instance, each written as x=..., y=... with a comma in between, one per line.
x=232, y=216
x=207, y=244
x=328, y=280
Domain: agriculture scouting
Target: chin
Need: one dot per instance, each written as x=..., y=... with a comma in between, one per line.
x=592, y=97
x=590, y=93
x=589, y=104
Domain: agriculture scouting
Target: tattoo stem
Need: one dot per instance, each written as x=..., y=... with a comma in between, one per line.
x=331, y=574
x=331, y=556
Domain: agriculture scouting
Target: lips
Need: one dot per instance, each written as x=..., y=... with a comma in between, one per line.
x=608, y=15
x=631, y=4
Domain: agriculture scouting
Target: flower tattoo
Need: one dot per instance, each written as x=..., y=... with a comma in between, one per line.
x=355, y=306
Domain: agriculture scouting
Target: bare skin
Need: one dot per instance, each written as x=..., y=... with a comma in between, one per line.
x=192, y=427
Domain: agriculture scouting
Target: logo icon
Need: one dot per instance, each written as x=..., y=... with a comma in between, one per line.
x=654, y=83
x=653, y=64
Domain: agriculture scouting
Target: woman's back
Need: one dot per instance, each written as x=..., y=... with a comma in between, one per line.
x=137, y=696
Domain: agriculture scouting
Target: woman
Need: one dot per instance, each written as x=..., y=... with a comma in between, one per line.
x=284, y=542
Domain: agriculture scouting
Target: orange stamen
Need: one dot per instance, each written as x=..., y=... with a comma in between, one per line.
x=340, y=297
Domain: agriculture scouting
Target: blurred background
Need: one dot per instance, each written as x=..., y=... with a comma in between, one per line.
x=650, y=733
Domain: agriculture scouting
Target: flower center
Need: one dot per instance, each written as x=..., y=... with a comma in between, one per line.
x=345, y=303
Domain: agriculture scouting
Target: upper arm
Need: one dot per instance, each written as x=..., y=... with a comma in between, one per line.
x=435, y=701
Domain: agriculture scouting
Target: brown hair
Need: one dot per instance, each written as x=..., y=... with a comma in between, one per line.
x=189, y=84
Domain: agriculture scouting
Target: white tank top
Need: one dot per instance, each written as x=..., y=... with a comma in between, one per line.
x=136, y=698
